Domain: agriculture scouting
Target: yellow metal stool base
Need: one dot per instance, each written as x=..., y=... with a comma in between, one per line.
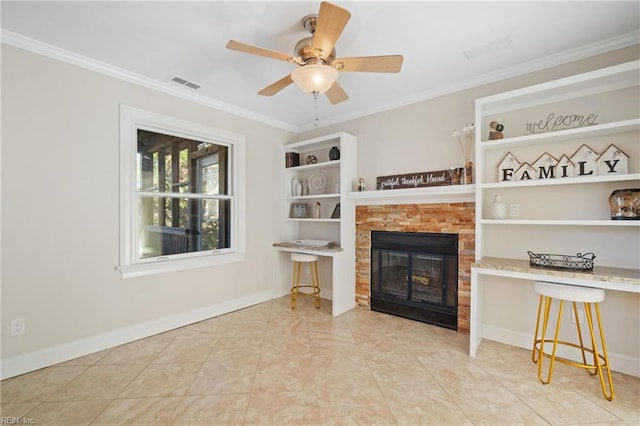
x=574, y=294
x=312, y=260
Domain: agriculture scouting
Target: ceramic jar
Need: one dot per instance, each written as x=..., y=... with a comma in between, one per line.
x=334, y=153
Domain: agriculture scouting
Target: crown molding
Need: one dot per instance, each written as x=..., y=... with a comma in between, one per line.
x=587, y=51
x=600, y=47
x=44, y=49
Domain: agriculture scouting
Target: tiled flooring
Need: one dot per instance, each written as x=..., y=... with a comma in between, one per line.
x=270, y=365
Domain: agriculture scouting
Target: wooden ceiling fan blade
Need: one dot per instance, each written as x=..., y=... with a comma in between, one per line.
x=335, y=94
x=247, y=48
x=389, y=63
x=276, y=87
x=331, y=21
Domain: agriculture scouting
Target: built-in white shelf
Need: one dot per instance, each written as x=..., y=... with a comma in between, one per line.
x=562, y=181
x=597, y=130
x=314, y=196
x=425, y=195
x=310, y=219
x=316, y=166
x=560, y=222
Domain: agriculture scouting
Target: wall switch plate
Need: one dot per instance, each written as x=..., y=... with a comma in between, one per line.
x=514, y=210
x=17, y=327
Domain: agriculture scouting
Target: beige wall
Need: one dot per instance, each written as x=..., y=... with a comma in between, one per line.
x=60, y=201
x=417, y=137
x=60, y=195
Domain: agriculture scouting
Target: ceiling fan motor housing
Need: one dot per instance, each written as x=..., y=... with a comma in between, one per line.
x=307, y=54
x=304, y=48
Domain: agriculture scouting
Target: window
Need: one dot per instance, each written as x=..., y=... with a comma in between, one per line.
x=182, y=194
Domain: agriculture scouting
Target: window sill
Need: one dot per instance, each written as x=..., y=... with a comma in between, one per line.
x=165, y=265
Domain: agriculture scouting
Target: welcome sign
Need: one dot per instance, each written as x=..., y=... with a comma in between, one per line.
x=414, y=180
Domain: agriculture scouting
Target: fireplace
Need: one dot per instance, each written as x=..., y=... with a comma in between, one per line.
x=415, y=275
x=431, y=216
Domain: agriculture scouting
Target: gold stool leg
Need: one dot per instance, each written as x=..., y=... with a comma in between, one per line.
x=315, y=279
x=535, y=352
x=542, y=355
x=582, y=347
x=596, y=357
x=295, y=282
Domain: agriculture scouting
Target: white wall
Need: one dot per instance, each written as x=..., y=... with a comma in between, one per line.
x=60, y=143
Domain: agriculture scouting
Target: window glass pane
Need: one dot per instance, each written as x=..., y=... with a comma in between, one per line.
x=215, y=224
x=170, y=225
x=209, y=175
x=200, y=225
x=181, y=194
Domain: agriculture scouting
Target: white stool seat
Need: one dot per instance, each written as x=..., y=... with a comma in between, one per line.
x=571, y=293
x=301, y=257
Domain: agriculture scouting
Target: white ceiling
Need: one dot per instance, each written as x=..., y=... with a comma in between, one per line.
x=153, y=41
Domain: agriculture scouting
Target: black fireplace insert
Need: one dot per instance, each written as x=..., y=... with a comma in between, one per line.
x=415, y=275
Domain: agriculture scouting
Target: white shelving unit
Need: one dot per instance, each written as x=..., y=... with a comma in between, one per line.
x=556, y=215
x=557, y=202
x=337, y=267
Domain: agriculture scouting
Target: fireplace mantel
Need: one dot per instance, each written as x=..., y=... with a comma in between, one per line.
x=426, y=195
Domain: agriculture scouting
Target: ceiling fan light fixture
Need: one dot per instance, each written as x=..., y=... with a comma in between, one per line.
x=314, y=77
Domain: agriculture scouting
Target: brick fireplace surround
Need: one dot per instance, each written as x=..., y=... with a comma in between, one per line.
x=451, y=218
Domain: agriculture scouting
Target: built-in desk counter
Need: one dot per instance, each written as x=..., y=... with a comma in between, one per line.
x=334, y=284
x=608, y=278
x=621, y=279
x=291, y=246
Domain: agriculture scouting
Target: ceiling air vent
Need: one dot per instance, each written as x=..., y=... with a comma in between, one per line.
x=486, y=49
x=184, y=82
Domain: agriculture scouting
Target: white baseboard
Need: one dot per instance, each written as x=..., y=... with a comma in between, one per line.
x=620, y=363
x=49, y=356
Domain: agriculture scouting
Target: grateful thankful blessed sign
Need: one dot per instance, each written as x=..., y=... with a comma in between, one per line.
x=414, y=180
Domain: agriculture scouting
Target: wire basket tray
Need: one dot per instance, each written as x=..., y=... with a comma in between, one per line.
x=579, y=262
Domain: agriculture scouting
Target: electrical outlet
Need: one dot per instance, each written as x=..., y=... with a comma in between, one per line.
x=580, y=316
x=514, y=210
x=17, y=327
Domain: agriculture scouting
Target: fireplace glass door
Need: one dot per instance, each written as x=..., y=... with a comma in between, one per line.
x=394, y=267
x=408, y=276
x=416, y=276
x=427, y=274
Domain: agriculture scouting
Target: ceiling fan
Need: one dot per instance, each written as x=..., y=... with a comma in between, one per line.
x=316, y=57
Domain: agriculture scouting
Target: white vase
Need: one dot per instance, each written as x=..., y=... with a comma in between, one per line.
x=298, y=189
x=498, y=209
x=294, y=183
x=305, y=187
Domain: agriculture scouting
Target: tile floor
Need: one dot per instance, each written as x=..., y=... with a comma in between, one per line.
x=268, y=364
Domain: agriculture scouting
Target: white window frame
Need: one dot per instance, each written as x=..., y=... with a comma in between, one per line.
x=132, y=119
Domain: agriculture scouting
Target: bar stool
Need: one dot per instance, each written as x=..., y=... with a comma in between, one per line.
x=574, y=294
x=312, y=260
